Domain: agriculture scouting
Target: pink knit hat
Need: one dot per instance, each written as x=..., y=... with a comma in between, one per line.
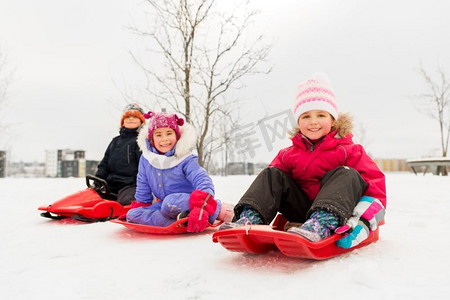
x=163, y=120
x=315, y=94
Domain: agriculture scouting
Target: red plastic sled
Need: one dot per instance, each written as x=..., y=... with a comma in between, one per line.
x=258, y=239
x=174, y=228
x=86, y=205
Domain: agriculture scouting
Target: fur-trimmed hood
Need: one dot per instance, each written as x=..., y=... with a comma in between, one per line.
x=343, y=125
x=183, y=148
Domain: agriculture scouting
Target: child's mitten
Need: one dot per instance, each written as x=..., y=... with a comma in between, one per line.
x=367, y=214
x=201, y=205
x=359, y=233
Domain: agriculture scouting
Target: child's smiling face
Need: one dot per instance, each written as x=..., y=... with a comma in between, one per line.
x=315, y=124
x=131, y=122
x=164, y=139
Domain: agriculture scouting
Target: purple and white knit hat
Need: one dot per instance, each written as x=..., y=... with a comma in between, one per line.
x=315, y=94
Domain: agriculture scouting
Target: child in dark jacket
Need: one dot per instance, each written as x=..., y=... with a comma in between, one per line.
x=170, y=181
x=323, y=181
x=119, y=165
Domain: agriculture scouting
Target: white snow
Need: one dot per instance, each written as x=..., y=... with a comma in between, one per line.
x=46, y=259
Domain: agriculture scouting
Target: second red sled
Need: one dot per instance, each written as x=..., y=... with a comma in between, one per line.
x=177, y=227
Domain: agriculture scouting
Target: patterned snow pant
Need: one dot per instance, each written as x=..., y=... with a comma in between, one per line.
x=165, y=212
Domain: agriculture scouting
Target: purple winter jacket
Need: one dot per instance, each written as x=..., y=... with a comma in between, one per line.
x=177, y=171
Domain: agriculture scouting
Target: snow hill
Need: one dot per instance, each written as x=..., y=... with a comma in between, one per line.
x=46, y=259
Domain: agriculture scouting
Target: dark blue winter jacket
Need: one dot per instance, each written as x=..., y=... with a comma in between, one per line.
x=119, y=165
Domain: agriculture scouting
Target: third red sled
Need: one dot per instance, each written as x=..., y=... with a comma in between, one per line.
x=86, y=205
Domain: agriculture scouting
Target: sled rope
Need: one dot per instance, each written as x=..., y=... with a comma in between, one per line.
x=203, y=206
x=247, y=225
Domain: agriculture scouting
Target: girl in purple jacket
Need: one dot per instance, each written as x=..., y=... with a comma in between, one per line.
x=323, y=182
x=170, y=182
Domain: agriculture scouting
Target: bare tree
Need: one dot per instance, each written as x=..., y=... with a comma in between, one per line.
x=205, y=57
x=360, y=134
x=438, y=95
x=6, y=76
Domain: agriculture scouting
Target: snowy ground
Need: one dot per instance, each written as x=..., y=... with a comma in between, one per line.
x=45, y=259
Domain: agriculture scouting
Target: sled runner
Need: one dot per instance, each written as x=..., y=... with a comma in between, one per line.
x=86, y=205
x=258, y=239
x=176, y=227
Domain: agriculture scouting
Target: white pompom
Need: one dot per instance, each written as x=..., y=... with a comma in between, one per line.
x=322, y=77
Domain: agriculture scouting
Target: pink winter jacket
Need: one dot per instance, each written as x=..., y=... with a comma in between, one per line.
x=307, y=163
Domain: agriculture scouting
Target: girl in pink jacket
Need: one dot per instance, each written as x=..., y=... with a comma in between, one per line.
x=323, y=181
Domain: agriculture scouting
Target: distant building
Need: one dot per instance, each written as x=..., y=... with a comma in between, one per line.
x=69, y=168
x=392, y=165
x=242, y=168
x=91, y=166
x=2, y=164
x=68, y=163
x=26, y=169
x=258, y=167
x=239, y=168
x=51, y=163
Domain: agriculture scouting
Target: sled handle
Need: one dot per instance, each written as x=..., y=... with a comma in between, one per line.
x=102, y=187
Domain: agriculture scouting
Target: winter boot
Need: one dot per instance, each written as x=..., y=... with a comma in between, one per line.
x=248, y=216
x=291, y=224
x=226, y=213
x=183, y=215
x=320, y=225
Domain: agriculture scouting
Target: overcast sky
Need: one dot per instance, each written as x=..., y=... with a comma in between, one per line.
x=69, y=56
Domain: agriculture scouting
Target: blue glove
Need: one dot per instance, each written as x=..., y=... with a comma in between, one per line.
x=366, y=216
x=359, y=233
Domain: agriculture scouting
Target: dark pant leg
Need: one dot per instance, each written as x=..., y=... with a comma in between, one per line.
x=273, y=191
x=340, y=191
x=126, y=194
x=107, y=196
